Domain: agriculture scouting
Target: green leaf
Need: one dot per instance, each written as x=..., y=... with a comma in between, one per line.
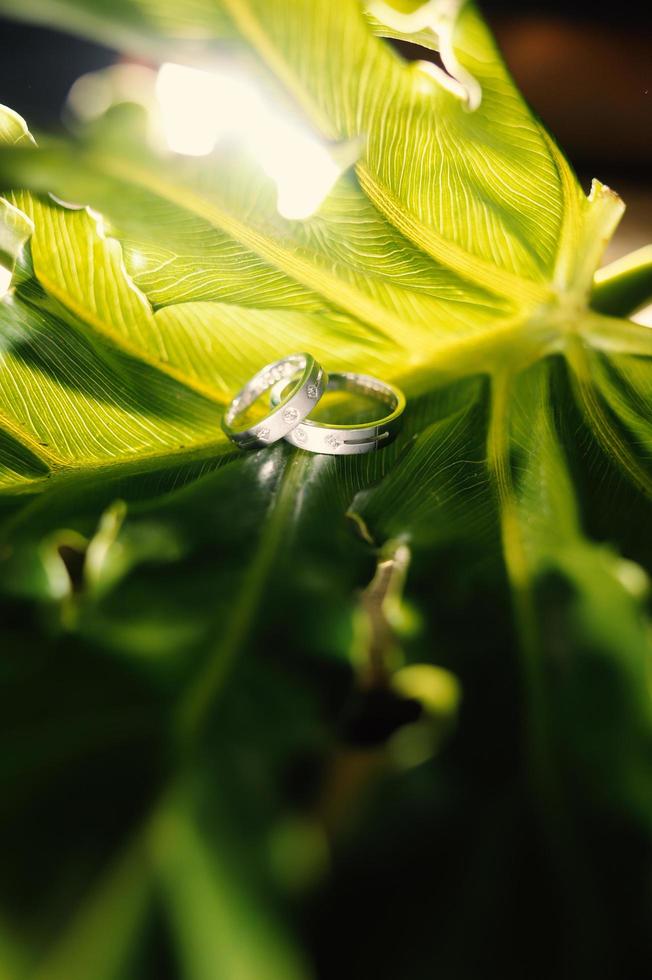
x=458, y=260
x=101, y=938
x=502, y=192
x=15, y=227
x=13, y=129
x=211, y=913
x=544, y=551
x=624, y=285
x=15, y=230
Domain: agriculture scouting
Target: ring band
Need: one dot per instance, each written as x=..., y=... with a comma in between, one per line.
x=305, y=382
x=344, y=440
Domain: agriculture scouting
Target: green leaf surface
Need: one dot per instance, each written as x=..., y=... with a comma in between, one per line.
x=150, y=571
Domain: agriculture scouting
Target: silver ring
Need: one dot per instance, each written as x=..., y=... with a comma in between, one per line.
x=344, y=440
x=302, y=378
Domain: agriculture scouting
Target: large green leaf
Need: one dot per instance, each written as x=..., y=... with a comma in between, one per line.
x=252, y=610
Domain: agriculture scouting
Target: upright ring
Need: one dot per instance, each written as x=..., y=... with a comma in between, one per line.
x=344, y=440
x=304, y=382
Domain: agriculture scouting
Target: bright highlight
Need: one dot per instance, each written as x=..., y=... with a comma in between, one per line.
x=5, y=280
x=200, y=108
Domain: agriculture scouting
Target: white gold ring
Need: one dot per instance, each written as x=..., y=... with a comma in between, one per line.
x=304, y=382
x=344, y=440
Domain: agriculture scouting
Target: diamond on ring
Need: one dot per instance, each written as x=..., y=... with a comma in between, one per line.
x=345, y=440
x=290, y=415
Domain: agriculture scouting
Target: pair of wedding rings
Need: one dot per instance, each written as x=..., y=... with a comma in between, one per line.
x=297, y=383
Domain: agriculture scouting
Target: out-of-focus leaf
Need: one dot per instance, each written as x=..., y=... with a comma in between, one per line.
x=569, y=594
x=624, y=285
x=100, y=941
x=221, y=929
x=134, y=25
